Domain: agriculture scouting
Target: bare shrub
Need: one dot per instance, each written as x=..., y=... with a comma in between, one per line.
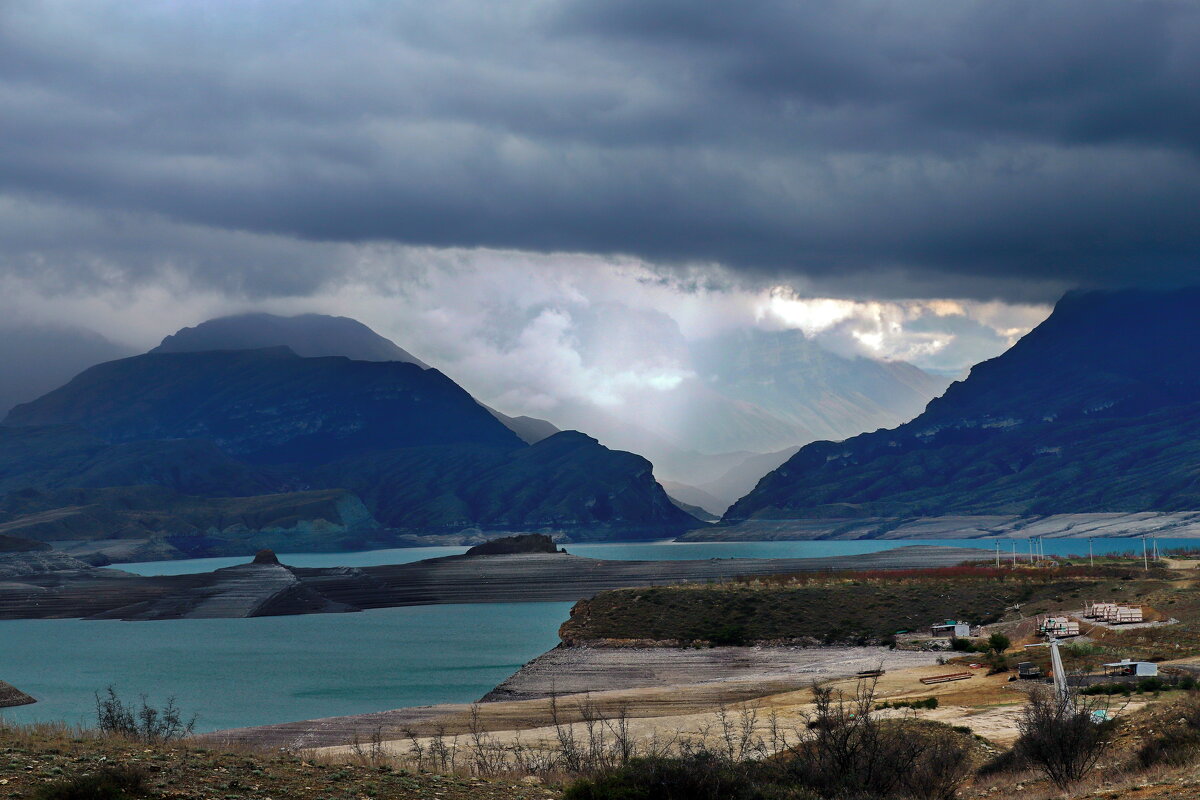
x=144, y=724
x=849, y=751
x=371, y=752
x=1061, y=737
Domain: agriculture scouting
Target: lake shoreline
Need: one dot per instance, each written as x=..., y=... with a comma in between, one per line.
x=272, y=589
x=1105, y=525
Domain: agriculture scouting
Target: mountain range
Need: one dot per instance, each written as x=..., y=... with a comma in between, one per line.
x=401, y=447
x=1096, y=410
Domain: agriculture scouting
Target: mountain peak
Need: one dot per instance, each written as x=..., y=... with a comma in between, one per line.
x=308, y=335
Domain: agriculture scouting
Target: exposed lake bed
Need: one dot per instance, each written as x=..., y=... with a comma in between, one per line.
x=245, y=672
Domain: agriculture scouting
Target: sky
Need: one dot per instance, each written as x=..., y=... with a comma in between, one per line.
x=500, y=187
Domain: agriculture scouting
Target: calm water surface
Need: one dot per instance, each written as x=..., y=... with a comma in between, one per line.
x=241, y=672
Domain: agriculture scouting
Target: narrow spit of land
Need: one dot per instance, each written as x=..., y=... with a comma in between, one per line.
x=267, y=588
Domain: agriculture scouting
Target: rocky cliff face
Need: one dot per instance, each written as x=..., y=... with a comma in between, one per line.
x=1097, y=409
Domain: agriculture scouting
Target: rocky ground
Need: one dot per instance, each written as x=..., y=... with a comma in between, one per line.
x=32, y=759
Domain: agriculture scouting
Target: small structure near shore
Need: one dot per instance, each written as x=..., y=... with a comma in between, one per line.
x=953, y=629
x=1128, y=668
x=12, y=696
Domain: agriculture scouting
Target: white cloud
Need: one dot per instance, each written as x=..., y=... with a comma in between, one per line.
x=528, y=331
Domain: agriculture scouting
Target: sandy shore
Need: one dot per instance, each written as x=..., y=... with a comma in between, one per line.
x=644, y=683
x=573, y=670
x=988, y=705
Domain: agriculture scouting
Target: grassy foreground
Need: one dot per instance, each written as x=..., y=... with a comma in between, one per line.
x=43, y=762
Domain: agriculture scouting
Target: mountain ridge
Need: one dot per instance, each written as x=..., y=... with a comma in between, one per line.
x=1084, y=414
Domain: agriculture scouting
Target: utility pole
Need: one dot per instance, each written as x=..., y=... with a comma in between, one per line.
x=1014, y=549
x=1145, y=555
x=1091, y=560
x=997, y=554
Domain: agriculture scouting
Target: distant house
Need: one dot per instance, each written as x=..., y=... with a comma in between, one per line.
x=951, y=628
x=1126, y=668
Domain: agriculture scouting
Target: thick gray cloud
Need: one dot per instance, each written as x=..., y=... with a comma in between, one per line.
x=888, y=149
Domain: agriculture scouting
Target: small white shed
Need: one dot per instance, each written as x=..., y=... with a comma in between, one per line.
x=1142, y=669
x=953, y=628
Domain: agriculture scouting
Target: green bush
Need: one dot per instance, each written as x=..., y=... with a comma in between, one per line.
x=110, y=783
x=1109, y=689
x=702, y=776
x=728, y=636
x=998, y=643
x=1154, y=684
x=928, y=702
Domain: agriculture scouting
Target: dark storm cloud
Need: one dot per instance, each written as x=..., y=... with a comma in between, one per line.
x=1007, y=148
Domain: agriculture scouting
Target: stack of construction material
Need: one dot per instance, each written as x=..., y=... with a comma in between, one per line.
x=1060, y=626
x=1114, y=613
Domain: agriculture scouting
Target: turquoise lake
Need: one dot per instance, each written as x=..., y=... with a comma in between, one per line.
x=241, y=672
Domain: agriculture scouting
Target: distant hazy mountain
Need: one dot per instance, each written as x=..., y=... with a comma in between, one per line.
x=739, y=479
x=1097, y=409
x=694, y=498
x=818, y=393
x=417, y=449
x=308, y=335
x=531, y=430
x=750, y=393
x=37, y=358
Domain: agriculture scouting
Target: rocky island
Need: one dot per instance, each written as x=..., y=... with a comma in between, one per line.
x=12, y=696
